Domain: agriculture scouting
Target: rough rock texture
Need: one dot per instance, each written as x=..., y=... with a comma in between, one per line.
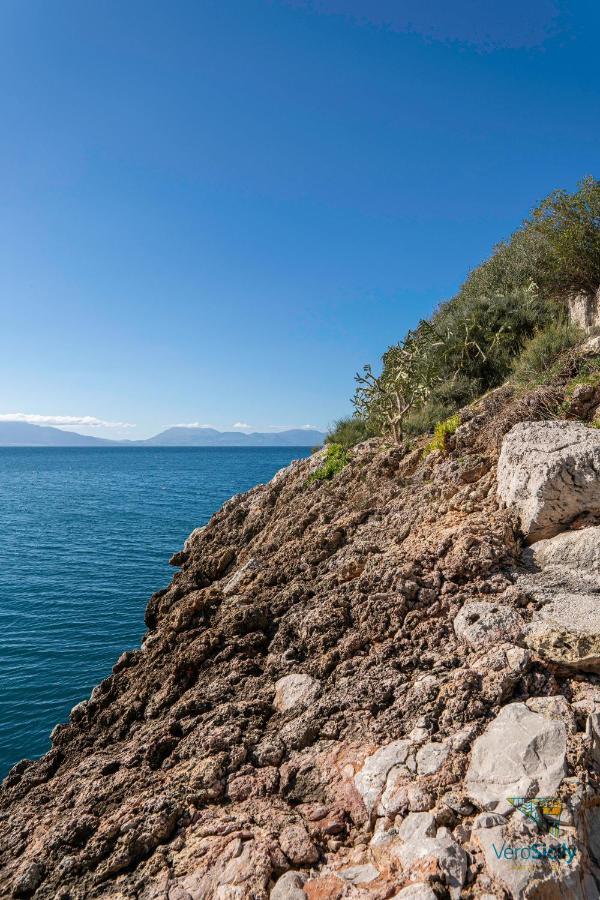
x=311, y=714
x=549, y=473
x=567, y=632
x=584, y=310
x=563, y=575
x=577, y=550
x=485, y=624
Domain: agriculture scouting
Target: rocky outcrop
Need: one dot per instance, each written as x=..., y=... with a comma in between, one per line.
x=335, y=698
x=584, y=309
x=549, y=474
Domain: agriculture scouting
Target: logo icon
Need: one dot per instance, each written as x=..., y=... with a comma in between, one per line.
x=544, y=811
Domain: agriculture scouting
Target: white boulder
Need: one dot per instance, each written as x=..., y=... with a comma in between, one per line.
x=289, y=887
x=567, y=632
x=549, y=473
x=576, y=550
x=415, y=892
x=419, y=855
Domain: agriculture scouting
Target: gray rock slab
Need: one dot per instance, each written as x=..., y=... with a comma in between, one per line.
x=289, y=887
x=519, y=752
x=431, y=757
x=415, y=892
x=577, y=550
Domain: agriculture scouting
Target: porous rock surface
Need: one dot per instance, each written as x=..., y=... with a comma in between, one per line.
x=308, y=718
x=549, y=473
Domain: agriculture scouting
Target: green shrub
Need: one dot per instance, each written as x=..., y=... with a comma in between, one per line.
x=348, y=432
x=410, y=372
x=424, y=419
x=481, y=335
x=442, y=432
x=569, y=225
x=336, y=458
x=507, y=318
x=541, y=354
x=590, y=375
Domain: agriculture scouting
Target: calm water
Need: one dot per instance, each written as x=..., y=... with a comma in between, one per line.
x=85, y=538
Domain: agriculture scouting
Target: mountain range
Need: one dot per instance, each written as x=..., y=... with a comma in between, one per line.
x=22, y=434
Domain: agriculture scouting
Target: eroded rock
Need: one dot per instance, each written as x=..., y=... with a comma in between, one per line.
x=567, y=632
x=549, y=473
x=483, y=624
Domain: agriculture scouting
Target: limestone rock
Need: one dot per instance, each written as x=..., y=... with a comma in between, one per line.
x=548, y=472
x=576, y=550
x=567, y=632
x=584, y=309
x=420, y=854
x=415, y=892
x=519, y=751
x=483, y=624
x=431, y=757
x=370, y=780
x=289, y=887
x=362, y=874
x=417, y=825
x=295, y=691
x=591, y=347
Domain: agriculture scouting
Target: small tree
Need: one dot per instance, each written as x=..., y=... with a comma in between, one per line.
x=410, y=370
x=570, y=225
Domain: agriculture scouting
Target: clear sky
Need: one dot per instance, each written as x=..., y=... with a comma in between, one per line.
x=217, y=211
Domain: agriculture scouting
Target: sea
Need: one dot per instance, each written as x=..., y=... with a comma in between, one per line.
x=85, y=539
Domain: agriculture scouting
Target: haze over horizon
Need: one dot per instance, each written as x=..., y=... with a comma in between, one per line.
x=216, y=213
x=93, y=427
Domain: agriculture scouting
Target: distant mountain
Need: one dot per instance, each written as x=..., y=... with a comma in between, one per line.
x=209, y=437
x=22, y=434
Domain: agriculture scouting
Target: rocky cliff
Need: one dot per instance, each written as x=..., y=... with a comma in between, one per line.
x=358, y=688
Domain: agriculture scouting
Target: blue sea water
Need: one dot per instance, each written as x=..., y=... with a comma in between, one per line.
x=85, y=539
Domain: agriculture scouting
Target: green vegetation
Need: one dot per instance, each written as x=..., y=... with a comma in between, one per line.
x=441, y=433
x=507, y=320
x=336, y=458
x=589, y=374
x=411, y=369
x=348, y=432
x=543, y=351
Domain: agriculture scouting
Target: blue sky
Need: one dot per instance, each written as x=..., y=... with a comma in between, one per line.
x=217, y=212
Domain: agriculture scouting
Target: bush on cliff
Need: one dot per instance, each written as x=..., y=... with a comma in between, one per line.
x=473, y=341
x=441, y=433
x=348, y=432
x=543, y=351
x=336, y=458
